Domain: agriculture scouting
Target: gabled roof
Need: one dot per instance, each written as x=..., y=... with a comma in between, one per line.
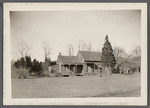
x=127, y=64
x=69, y=59
x=136, y=60
x=90, y=56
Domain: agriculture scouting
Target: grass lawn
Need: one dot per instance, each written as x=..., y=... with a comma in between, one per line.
x=115, y=85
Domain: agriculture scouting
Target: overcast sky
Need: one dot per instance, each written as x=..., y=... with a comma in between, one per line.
x=68, y=27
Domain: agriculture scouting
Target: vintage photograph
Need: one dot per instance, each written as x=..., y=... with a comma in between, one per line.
x=75, y=54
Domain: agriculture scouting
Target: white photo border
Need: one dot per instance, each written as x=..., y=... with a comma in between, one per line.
x=7, y=90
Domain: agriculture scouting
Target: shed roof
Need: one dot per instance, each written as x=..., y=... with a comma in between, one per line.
x=91, y=56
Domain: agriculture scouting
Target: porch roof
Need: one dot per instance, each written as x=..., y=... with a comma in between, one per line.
x=71, y=63
x=92, y=62
x=70, y=60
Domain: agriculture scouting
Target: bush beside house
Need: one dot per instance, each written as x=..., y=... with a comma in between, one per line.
x=19, y=73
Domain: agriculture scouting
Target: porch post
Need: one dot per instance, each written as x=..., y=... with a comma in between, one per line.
x=85, y=67
x=94, y=67
x=59, y=67
x=69, y=67
x=76, y=69
x=62, y=67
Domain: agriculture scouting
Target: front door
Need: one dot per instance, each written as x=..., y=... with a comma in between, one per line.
x=74, y=69
x=79, y=68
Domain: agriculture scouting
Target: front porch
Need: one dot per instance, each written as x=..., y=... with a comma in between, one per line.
x=72, y=69
x=92, y=67
x=80, y=69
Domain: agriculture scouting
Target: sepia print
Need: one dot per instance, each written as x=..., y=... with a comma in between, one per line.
x=87, y=54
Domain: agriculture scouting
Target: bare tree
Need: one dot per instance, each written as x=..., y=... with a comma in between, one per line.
x=79, y=45
x=119, y=54
x=47, y=53
x=47, y=50
x=84, y=47
x=89, y=47
x=128, y=56
x=23, y=48
x=136, y=51
x=70, y=50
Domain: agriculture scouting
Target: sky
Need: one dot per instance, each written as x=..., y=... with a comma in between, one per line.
x=60, y=28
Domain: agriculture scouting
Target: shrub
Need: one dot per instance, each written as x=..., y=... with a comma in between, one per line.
x=19, y=73
x=41, y=75
x=53, y=73
x=57, y=74
x=23, y=73
x=46, y=73
x=133, y=69
x=114, y=70
x=14, y=74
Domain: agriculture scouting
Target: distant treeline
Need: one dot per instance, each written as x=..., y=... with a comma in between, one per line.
x=25, y=65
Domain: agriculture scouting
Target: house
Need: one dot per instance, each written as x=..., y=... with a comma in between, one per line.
x=137, y=62
x=131, y=65
x=84, y=62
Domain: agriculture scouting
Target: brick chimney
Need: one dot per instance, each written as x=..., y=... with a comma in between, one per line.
x=59, y=54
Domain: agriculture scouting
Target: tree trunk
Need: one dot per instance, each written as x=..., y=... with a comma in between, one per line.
x=108, y=70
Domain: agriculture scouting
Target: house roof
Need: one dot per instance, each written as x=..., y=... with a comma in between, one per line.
x=91, y=56
x=128, y=64
x=69, y=59
x=136, y=60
